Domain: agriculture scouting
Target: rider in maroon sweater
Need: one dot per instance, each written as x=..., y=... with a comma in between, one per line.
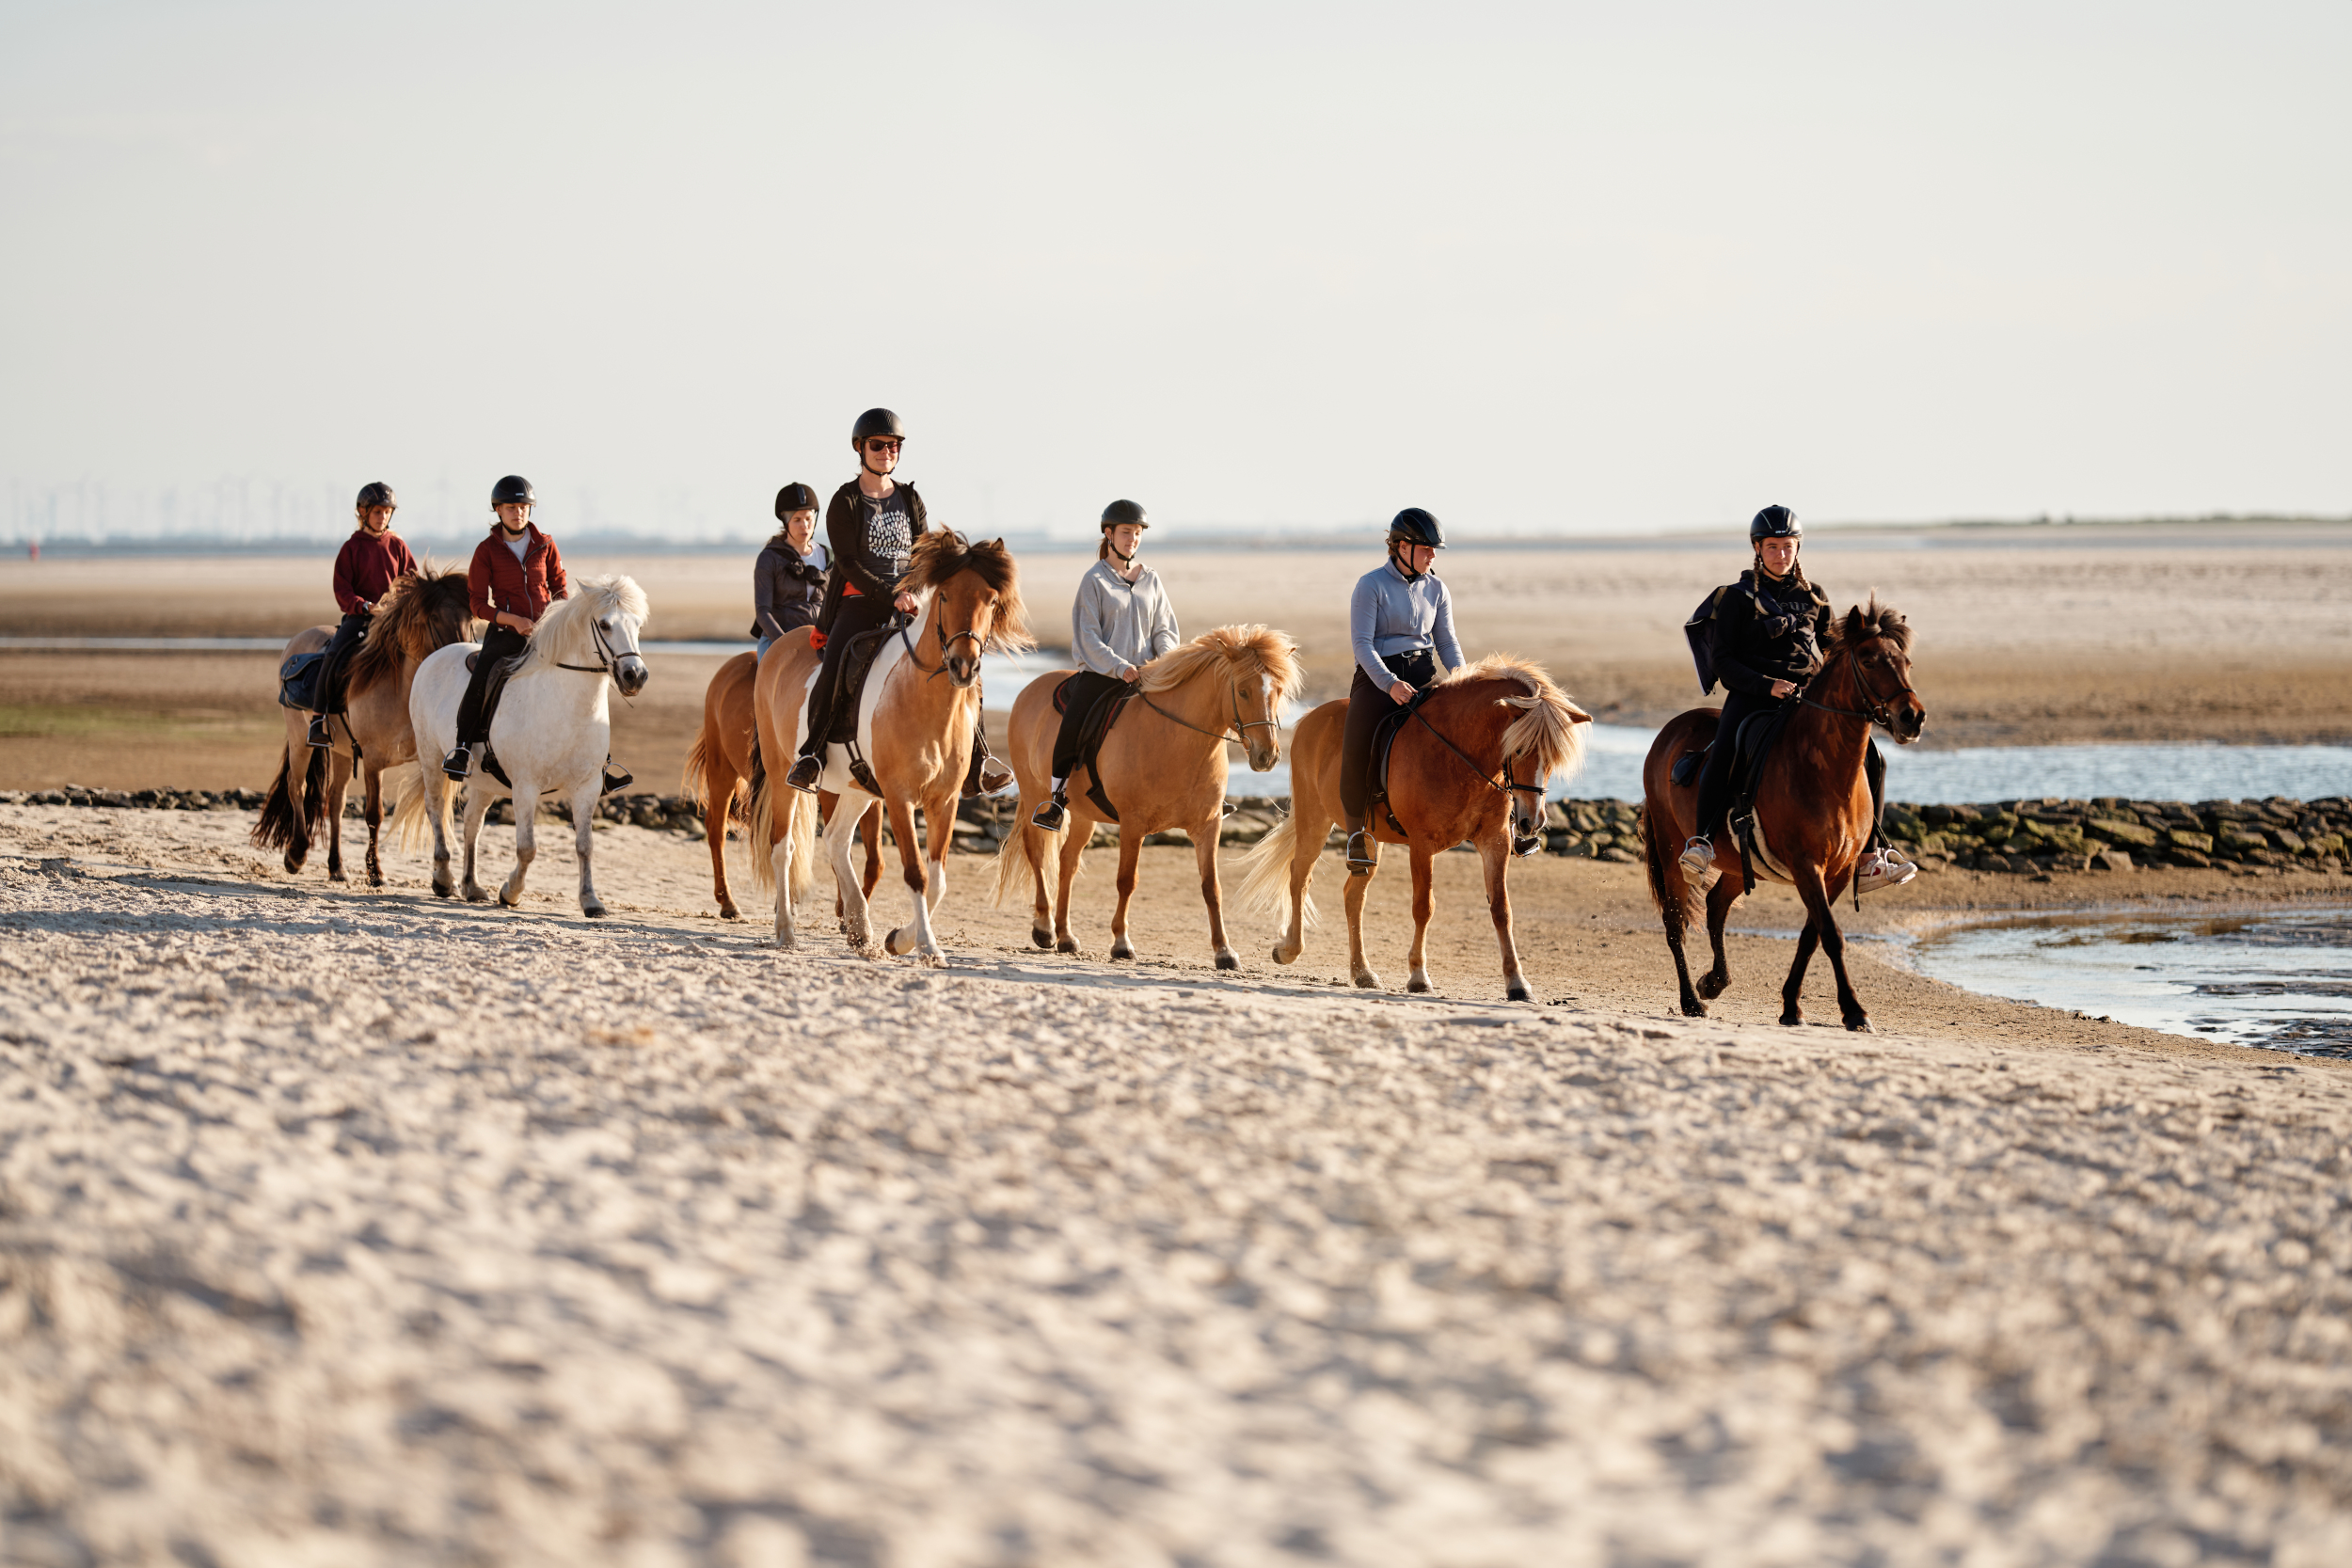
x=365, y=569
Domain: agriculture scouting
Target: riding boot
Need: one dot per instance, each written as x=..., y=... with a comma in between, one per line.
x=1698, y=863
x=1052, y=814
x=458, y=763
x=615, y=779
x=321, y=736
x=986, y=775
x=1363, y=850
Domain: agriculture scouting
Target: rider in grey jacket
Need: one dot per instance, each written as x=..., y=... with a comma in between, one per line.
x=1121, y=623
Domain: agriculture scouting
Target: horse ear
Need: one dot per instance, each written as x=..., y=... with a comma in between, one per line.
x=1857, y=626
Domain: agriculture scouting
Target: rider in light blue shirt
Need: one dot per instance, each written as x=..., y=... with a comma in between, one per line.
x=1401, y=623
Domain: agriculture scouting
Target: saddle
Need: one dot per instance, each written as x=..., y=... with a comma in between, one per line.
x=298, y=680
x=1384, y=735
x=1097, y=726
x=491, y=692
x=857, y=662
x=1758, y=734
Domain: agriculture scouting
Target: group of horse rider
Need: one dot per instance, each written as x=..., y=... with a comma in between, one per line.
x=1762, y=636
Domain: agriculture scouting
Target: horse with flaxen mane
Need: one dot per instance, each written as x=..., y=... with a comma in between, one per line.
x=421, y=611
x=723, y=767
x=1813, y=809
x=914, y=721
x=1469, y=765
x=1162, y=765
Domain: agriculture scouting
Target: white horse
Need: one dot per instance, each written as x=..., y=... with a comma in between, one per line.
x=551, y=732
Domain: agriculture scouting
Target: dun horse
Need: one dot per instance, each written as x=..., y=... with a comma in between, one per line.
x=720, y=774
x=418, y=613
x=1162, y=765
x=1470, y=768
x=551, y=732
x=1813, y=817
x=915, y=722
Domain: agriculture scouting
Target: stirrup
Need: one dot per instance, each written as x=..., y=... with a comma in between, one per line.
x=994, y=775
x=458, y=765
x=1363, y=852
x=1697, y=862
x=1883, y=869
x=321, y=735
x=1051, y=816
x=616, y=780
x=807, y=770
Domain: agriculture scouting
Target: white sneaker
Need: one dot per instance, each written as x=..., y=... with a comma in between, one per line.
x=1698, y=864
x=1883, y=869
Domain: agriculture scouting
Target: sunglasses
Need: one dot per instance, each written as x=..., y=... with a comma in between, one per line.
x=880, y=443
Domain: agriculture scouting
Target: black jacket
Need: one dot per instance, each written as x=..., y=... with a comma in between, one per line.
x=852, y=561
x=1760, y=632
x=785, y=588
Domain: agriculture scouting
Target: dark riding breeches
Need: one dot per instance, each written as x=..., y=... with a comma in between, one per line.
x=854, y=616
x=1367, y=704
x=1086, y=690
x=1716, y=782
x=347, y=636
x=498, y=642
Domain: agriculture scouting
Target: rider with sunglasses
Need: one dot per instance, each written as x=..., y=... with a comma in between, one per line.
x=1763, y=636
x=870, y=528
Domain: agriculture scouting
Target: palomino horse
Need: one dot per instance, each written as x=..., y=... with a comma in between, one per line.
x=418, y=614
x=1470, y=768
x=1161, y=764
x=1813, y=817
x=720, y=769
x=913, y=729
x=551, y=732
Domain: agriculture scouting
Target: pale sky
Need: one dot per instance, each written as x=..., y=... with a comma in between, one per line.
x=1550, y=269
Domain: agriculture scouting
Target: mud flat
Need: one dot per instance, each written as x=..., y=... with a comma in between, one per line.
x=351, y=1226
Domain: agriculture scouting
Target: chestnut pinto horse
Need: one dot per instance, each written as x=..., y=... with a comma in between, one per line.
x=718, y=774
x=1162, y=765
x=1813, y=817
x=914, y=724
x=420, y=613
x=1495, y=731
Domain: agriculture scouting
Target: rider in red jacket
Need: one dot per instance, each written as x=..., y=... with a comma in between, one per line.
x=517, y=573
x=365, y=569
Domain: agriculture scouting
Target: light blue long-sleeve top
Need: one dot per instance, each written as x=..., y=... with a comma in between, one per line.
x=1391, y=615
x=1117, y=624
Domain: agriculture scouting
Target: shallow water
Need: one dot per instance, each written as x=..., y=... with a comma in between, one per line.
x=2281, y=980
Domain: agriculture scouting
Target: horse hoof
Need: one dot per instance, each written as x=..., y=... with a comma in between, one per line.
x=1416, y=985
x=1693, y=1009
x=440, y=892
x=1368, y=980
x=1791, y=1018
x=1515, y=993
x=1282, y=958
x=1120, y=950
x=1711, y=986
x=728, y=912
x=337, y=876
x=1226, y=960
x=1066, y=945
x=1861, y=1025
x=475, y=895
x=1043, y=938
x=594, y=911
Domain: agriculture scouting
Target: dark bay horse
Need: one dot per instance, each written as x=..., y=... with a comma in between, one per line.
x=1473, y=773
x=421, y=611
x=720, y=774
x=1813, y=816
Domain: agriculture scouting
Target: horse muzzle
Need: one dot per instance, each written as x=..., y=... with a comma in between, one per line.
x=1264, y=752
x=630, y=674
x=962, y=671
x=1908, y=722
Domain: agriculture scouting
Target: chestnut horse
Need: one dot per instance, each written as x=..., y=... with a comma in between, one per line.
x=1813, y=817
x=418, y=614
x=720, y=771
x=915, y=723
x=1471, y=769
x=1161, y=764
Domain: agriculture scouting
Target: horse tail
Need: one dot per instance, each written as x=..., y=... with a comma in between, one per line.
x=761, y=833
x=1659, y=854
x=280, y=817
x=803, y=835
x=1022, y=854
x=1265, y=871
x=691, y=781
x=420, y=792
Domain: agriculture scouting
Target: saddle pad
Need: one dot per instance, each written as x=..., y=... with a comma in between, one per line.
x=1098, y=726
x=857, y=662
x=298, y=681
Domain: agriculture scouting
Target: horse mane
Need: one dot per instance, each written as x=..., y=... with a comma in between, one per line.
x=1863, y=622
x=592, y=599
x=941, y=553
x=1260, y=650
x=406, y=622
x=1548, y=725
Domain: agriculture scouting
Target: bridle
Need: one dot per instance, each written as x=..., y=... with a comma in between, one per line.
x=946, y=641
x=1879, y=712
x=1507, y=785
x=1232, y=690
x=606, y=657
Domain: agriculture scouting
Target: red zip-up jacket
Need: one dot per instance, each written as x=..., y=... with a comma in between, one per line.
x=497, y=580
x=366, y=566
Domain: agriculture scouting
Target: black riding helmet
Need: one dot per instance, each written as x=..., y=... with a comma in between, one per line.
x=1124, y=512
x=1413, y=526
x=878, y=421
x=794, y=498
x=1774, y=522
x=512, y=489
x=377, y=494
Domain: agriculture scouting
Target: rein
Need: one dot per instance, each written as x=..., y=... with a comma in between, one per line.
x=1504, y=788
x=1879, y=713
x=945, y=642
x=1240, y=724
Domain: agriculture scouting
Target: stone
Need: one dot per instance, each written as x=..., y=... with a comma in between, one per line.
x=2201, y=844
x=2116, y=831
x=2112, y=860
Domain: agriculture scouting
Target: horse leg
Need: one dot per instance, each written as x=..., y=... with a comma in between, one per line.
x=1496, y=853
x=478, y=802
x=372, y=804
x=1305, y=847
x=1130, y=851
x=583, y=836
x=1032, y=841
x=1424, y=902
x=1357, y=887
x=1823, y=926
x=435, y=786
x=1073, y=844
x=1718, y=901
x=916, y=935
x=841, y=830
x=525, y=839
x=338, y=782
x=1673, y=906
x=1204, y=838
x=719, y=778
x=939, y=823
x=870, y=835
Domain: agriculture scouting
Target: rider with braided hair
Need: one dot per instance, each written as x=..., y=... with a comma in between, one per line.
x=1400, y=624
x=1763, y=636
